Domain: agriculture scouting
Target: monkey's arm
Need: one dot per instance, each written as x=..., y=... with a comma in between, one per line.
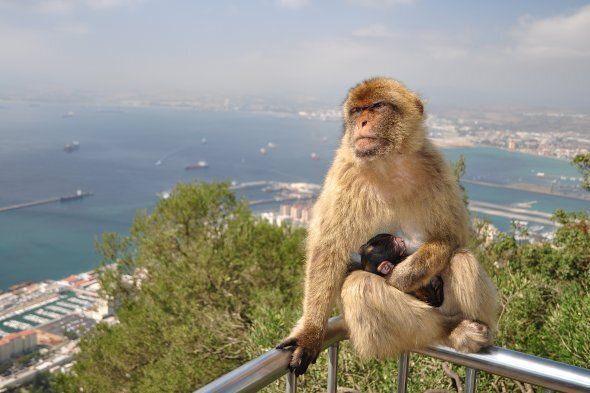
x=419, y=268
x=338, y=228
x=325, y=273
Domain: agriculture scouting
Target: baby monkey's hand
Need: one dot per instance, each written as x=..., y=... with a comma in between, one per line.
x=385, y=267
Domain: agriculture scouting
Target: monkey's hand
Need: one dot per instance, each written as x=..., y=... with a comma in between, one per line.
x=408, y=276
x=419, y=268
x=306, y=345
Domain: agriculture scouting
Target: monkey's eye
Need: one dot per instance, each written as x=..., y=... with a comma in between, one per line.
x=355, y=111
x=378, y=105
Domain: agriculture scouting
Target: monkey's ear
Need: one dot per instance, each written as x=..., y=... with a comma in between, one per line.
x=363, y=249
x=419, y=105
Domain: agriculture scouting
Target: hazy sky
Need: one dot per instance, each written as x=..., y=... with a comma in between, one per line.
x=532, y=52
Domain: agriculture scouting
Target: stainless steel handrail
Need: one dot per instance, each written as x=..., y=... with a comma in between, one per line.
x=259, y=372
x=519, y=366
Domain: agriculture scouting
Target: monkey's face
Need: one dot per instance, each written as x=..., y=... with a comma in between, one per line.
x=380, y=254
x=381, y=116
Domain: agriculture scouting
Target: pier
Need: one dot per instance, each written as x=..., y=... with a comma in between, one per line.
x=279, y=200
x=512, y=213
x=250, y=184
x=528, y=188
x=66, y=198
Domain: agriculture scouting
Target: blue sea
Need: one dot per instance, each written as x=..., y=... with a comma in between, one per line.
x=117, y=162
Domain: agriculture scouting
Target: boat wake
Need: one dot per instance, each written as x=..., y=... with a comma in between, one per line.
x=168, y=155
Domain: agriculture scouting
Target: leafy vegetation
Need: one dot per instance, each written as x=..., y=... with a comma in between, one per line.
x=582, y=163
x=202, y=286
x=459, y=167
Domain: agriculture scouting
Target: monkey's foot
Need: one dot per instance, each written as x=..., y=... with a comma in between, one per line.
x=437, y=296
x=470, y=336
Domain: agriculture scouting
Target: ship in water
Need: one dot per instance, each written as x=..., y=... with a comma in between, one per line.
x=79, y=194
x=198, y=165
x=72, y=147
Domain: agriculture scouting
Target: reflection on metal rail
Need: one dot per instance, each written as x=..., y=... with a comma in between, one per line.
x=546, y=373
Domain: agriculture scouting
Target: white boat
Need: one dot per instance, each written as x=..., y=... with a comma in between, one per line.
x=71, y=147
x=198, y=165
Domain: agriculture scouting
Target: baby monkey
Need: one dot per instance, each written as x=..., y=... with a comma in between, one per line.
x=383, y=252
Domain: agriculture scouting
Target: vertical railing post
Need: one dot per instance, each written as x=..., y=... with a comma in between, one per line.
x=403, y=366
x=291, y=382
x=470, y=380
x=332, y=368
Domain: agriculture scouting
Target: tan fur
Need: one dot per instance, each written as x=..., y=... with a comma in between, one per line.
x=383, y=321
x=405, y=185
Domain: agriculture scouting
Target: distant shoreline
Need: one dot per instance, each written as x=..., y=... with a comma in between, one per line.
x=452, y=142
x=525, y=187
x=458, y=142
x=524, y=152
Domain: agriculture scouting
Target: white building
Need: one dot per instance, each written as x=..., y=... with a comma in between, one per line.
x=17, y=343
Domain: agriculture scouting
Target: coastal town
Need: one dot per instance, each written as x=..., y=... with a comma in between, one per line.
x=550, y=134
x=41, y=324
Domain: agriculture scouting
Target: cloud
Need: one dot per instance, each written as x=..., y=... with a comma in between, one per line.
x=564, y=36
x=543, y=61
x=110, y=3
x=66, y=6
x=373, y=31
x=293, y=4
x=72, y=28
x=20, y=44
x=381, y=3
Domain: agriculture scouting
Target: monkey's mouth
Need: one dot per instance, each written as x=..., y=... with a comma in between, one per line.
x=364, y=144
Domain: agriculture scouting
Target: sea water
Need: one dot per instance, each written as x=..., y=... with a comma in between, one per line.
x=117, y=162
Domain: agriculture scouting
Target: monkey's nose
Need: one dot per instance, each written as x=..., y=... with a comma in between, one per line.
x=364, y=123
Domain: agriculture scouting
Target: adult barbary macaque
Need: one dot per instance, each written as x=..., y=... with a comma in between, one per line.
x=388, y=177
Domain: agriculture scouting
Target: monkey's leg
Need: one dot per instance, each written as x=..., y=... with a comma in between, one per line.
x=384, y=321
x=469, y=290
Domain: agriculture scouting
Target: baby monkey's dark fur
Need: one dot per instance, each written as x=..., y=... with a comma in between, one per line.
x=383, y=252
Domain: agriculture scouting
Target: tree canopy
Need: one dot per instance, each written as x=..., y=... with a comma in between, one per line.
x=582, y=163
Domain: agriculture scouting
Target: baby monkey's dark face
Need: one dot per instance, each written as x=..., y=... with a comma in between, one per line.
x=380, y=254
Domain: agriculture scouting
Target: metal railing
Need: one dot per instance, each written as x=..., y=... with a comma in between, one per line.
x=522, y=367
